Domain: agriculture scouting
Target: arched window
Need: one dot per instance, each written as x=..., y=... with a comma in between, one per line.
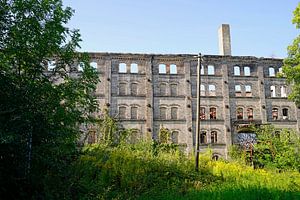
x=239, y=114
x=247, y=71
x=213, y=113
x=174, y=113
x=122, y=112
x=202, y=113
x=280, y=70
x=271, y=71
x=51, y=65
x=236, y=71
x=134, y=68
x=163, y=112
x=173, y=69
x=202, y=70
x=174, y=137
x=94, y=65
x=283, y=91
x=203, y=138
x=273, y=91
x=122, y=88
x=134, y=136
x=275, y=113
x=202, y=90
x=134, y=89
x=212, y=90
x=210, y=70
x=122, y=68
x=238, y=90
x=134, y=112
x=163, y=89
x=250, y=113
x=173, y=90
x=248, y=90
x=162, y=69
x=214, y=137
x=285, y=113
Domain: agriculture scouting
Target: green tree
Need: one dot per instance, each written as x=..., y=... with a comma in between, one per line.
x=40, y=112
x=291, y=67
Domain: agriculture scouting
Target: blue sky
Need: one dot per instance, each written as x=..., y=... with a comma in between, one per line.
x=259, y=28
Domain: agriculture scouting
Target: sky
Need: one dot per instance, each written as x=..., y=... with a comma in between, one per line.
x=260, y=28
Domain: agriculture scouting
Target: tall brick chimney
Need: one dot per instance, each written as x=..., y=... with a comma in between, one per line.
x=224, y=40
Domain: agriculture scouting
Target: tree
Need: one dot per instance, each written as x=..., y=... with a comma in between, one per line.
x=291, y=67
x=41, y=111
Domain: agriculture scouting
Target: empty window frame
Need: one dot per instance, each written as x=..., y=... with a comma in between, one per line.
x=214, y=137
x=240, y=113
x=283, y=91
x=173, y=69
x=122, y=88
x=248, y=90
x=236, y=70
x=210, y=70
x=163, y=89
x=275, y=113
x=134, y=68
x=94, y=65
x=122, y=68
x=163, y=113
x=51, y=65
x=122, y=112
x=213, y=113
x=202, y=90
x=174, y=113
x=212, y=90
x=174, y=137
x=250, y=113
x=247, y=71
x=162, y=69
x=238, y=90
x=203, y=138
x=202, y=113
x=271, y=71
x=173, y=90
x=134, y=89
x=134, y=112
x=285, y=113
x=273, y=90
x=280, y=70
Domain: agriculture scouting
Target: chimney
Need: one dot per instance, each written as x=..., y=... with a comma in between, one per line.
x=224, y=40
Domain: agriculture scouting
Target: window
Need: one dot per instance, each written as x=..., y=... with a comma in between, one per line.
x=91, y=136
x=247, y=71
x=212, y=90
x=283, y=91
x=236, y=71
x=202, y=113
x=163, y=112
x=239, y=113
x=51, y=65
x=122, y=88
x=134, y=68
x=94, y=65
x=273, y=91
x=275, y=113
x=203, y=139
x=250, y=113
x=202, y=70
x=285, y=113
x=248, y=90
x=212, y=113
x=174, y=111
x=238, y=91
x=134, y=112
x=133, y=89
x=122, y=112
x=173, y=90
x=173, y=69
x=162, y=69
x=280, y=70
x=80, y=66
x=271, y=71
x=210, y=70
x=174, y=137
x=202, y=90
x=122, y=68
x=163, y=89
x=213, y=137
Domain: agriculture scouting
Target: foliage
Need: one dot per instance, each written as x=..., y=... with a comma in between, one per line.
x=291, y=67
x=40, y=112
